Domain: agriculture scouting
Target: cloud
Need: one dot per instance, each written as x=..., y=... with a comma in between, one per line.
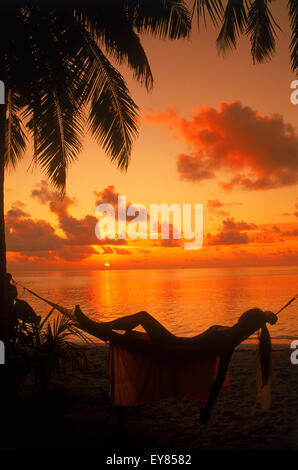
x=110, y=196
x=230, y=224
x=227, y=238
x=214, y=206
x=37, y=239
x=76, y=253
x=107, y=250
x=122, y=251
x=291, y=233
x=27, y=235
x=77, y=231
x=17, y=211
x=231, y=233
x=107, y=196
x=170, y=242
x=194, y=168
x=296, y=212
x=261, y=151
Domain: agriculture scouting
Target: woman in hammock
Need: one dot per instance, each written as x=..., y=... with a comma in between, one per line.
x=217, y=341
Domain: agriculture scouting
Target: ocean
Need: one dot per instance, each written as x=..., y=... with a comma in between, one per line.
x=186, y=301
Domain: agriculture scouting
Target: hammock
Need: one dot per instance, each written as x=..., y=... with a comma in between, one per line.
x=138, y=379
x=143, y=371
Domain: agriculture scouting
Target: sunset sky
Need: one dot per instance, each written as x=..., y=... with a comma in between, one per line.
x=217, y=131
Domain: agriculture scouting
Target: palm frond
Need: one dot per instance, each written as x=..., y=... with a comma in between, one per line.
x=46, y=318
x=293, y=13
x=15, y=138
x=214, y=8
x=111, y=28
x=113, y=115
x=53, y=110
x=261, y=29
x=234, y=23
x=161, y=18
x=58, y=130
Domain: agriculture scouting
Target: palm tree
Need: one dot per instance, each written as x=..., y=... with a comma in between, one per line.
x=57, y=75
x=58, y=80
x=253, y=19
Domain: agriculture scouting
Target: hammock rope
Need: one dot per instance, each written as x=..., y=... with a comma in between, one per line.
x=65, y=311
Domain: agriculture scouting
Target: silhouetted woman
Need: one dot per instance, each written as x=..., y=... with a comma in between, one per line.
x=217, y=340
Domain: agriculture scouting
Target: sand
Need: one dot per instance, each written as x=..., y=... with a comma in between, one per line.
x=76, y=414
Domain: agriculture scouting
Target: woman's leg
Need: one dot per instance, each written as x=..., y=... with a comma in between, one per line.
x=152, y=327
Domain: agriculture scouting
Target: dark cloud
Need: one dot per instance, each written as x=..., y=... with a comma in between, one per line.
x=107, y=196
x=231, y=233
x=110, y=196
x=261, y=151
x=77, y=231
x=27, y=235
x=231, y=237
x=291, y=233
x=230, y=224
x=37, y=239
x=16, y=211
x=75, y=253
x=214, y=206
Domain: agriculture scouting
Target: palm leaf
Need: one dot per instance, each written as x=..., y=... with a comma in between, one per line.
x=214, y=8
x=293, y=13
x=161, y=18
x=113, y=115
x=53, y=110
x=57, y=129
x=234, y=23
x=15, y=138
x=111, y=28
x=261, y=28
x=46, y=318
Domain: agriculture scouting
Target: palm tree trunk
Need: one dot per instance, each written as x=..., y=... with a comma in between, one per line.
x=4, y=310
x=7, y=371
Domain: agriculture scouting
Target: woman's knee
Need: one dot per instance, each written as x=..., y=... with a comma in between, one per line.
x=144, y=315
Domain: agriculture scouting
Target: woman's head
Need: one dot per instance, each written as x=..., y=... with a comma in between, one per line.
x=256, y=317
x=253, y=320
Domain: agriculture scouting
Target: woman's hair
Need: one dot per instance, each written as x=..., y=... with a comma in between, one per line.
x=256, y=318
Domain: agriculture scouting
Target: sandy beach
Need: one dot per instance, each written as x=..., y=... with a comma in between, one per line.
x=76, y=414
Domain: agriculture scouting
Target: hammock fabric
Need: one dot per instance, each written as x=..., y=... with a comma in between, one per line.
x=138, y=379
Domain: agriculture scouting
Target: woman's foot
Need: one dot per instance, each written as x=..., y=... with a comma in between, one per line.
x=76, y=315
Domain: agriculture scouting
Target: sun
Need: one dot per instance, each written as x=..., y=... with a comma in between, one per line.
x=107, y=265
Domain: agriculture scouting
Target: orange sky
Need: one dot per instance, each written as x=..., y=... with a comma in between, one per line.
x=216, y=131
